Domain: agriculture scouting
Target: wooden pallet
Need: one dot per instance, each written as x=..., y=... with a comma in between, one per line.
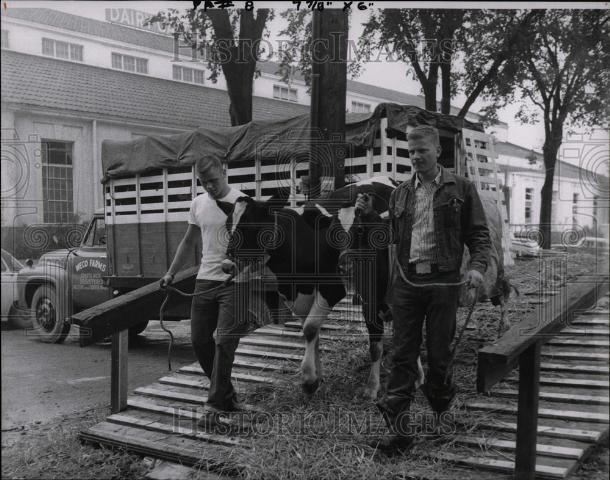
x=160, y=419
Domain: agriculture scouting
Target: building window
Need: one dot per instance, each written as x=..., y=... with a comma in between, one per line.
x=284, y=93
x=529, y=195
x=185, y=74
x=359, y=107
x=129, y=63
x=57, y=181
x=4, y=38
x=65, y=50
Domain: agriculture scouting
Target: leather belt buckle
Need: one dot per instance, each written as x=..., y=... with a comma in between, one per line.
x=423, y=267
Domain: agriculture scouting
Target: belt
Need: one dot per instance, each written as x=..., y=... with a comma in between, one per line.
x=420, y=268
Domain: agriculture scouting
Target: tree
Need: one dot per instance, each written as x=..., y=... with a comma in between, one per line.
x=229, y=42
x=565, y=76
x=435, y=41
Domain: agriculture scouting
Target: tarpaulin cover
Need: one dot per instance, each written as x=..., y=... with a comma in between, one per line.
x=260, y=139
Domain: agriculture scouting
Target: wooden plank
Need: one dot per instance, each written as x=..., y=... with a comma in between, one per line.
x=168, y=394
x=579, y=342
x=546, y=471
x=600, y=312
x=269, y=354
x=559, y=397
x=527, y=413
x=127, y=310
x=195, y=369
x=132, y=421
x=264, y=342
x=173, y=448
x=544, y=412
x=279, y=332
x=592, y=436
x=575, y=382
x=593, y=332
x=325, y=326
x=566, y=367
x=549, y=450
x=118, y=371
x=590, y=321
x=496, y=360
x=568, y=355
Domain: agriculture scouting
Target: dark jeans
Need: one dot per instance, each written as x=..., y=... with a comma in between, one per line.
x=411, y=305
x=223, y=310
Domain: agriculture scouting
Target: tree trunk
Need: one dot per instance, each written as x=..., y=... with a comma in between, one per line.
x=430, y=94
x=446, y=88
x=550, y=149
x=239, y=88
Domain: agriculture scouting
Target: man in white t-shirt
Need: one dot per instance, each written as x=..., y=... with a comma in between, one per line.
x=217, y=308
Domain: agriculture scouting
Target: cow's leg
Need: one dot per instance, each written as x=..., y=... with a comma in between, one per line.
x=373, y=383
x=310, y=367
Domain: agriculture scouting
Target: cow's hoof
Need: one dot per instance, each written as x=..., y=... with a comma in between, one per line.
x=311, y=387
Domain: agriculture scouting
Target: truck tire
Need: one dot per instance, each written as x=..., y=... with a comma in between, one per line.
x=20, y=319
x=137, y=329
x=48, y=313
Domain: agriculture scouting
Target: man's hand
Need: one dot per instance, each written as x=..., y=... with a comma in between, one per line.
x=364, y=203
x=166, y=280
x=474, y=279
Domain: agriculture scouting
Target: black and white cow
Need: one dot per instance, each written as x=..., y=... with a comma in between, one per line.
x=304, y=248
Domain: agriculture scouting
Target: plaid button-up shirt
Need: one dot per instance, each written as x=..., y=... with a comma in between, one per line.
x=423, y=240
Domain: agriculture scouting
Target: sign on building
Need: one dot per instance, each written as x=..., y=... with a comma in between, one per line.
x=135, y=19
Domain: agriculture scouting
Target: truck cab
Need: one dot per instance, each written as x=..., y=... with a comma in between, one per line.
x=64, y=282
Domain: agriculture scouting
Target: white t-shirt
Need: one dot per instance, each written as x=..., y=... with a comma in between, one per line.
x=206, y=214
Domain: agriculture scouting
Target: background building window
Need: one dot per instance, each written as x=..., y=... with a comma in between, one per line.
x=57, y=181
x=186, y=74
x=529, y=194
x=284, y=93
x=64, y=50
x=359, y=107
x=4, y=38
x=129, y=63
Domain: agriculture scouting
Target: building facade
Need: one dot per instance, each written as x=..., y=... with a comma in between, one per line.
x=70, y=82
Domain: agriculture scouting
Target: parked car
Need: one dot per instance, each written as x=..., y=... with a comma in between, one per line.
x=10, y=270
x=524, y=247
x=595, y=245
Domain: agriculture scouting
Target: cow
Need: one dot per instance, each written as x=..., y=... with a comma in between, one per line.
x=305, y=248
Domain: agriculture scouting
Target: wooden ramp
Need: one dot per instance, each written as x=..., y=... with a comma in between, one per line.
x=160, y=419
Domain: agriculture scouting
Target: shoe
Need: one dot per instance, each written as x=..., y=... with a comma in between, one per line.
x=211, y=419
x=393, y=444
x=440, y=400
x=237, y=406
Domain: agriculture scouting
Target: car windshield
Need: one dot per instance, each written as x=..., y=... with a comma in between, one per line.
x=12, y=263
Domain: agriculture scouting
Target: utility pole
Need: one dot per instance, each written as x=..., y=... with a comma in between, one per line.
x=328, y=88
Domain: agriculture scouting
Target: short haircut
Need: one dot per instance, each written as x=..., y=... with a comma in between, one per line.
x=425, y=131
x=209, y=164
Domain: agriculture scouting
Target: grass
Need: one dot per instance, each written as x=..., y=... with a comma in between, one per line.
x=325, y=437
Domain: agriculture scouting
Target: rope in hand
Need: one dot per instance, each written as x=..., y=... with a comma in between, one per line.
x=171, y=289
